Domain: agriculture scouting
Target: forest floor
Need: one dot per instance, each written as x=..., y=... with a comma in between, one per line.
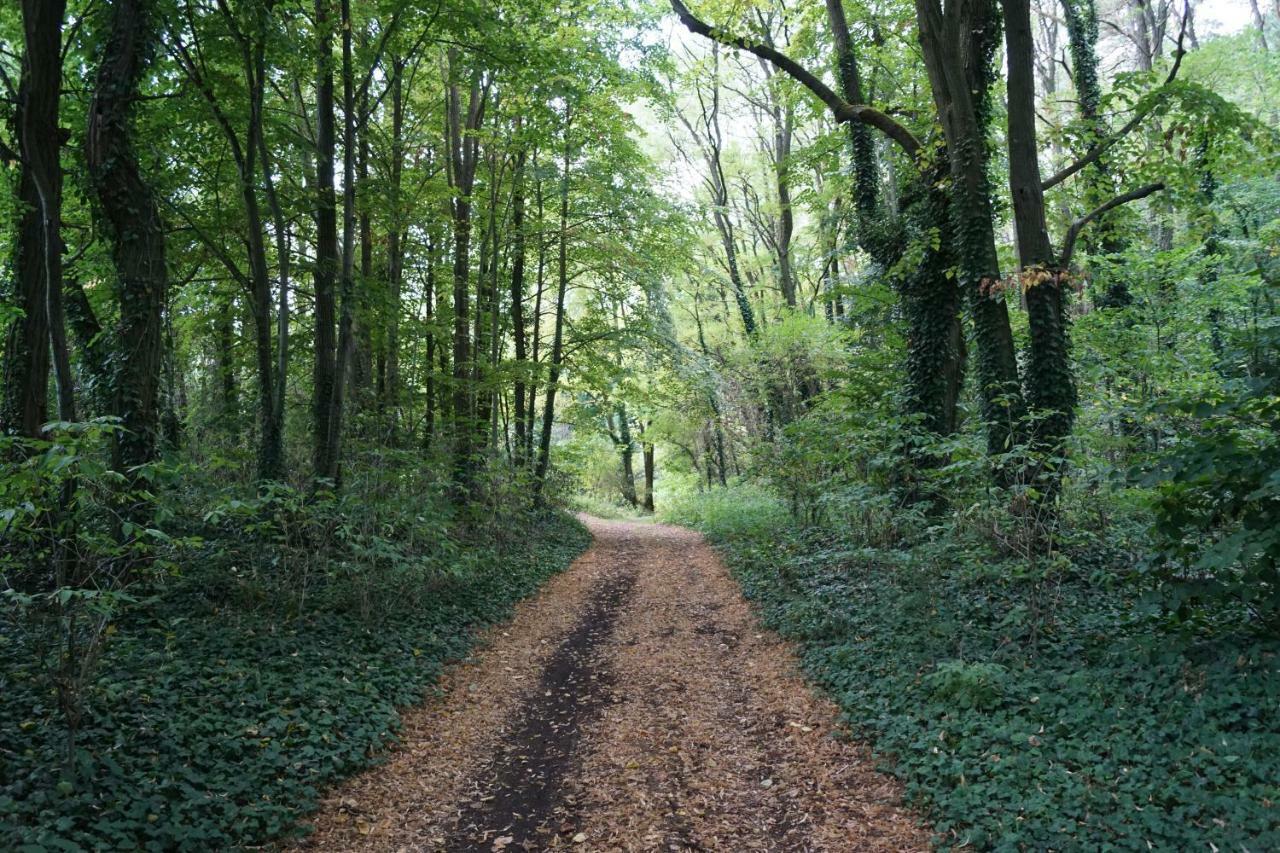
x=634, y=704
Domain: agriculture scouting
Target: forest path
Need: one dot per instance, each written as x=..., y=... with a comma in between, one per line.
x=634, y=704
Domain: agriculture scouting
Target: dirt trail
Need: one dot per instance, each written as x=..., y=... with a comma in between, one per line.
x=635, y=704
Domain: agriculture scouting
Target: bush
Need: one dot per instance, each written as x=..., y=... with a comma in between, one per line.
x=1217, y=498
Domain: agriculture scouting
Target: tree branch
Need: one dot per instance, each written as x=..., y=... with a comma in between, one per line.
x=1069, y=245
x=841, y=109
x=1100, y=147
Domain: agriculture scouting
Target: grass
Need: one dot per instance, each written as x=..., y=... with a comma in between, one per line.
x=601, y=508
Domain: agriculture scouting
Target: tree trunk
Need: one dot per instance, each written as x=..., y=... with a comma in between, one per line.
x=1260, y=25
x=935, y=339
x=132, y=220
x=270, y=449
x=557, y=344
x=536, y=332
x=87, y=331
x=783, y=116
x=866, y=174
x=228, y=394
x=326, y=264
x=648, y=477
x=1050, y=387
x=463, y=148
x=346, y=323
x=395, y=249
x=1082, y=39
x=486, y=299
x=958, y=51
x=517, y=306
x=38, y=247
x=626, y=453
x=281, y=227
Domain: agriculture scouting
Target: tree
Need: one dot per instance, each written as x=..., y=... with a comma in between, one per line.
x=130, y=217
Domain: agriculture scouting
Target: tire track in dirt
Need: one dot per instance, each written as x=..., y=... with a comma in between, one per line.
x=516, y=801
x=635, y=704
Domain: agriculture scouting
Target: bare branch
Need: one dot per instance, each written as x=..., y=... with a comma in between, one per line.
x=1100, y=147
x=1069, y=245
x=842, y=110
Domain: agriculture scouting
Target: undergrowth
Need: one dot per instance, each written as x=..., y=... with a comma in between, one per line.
x=269, y=663
x=1024, y=707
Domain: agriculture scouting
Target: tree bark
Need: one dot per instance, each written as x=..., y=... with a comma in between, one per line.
x=283, y=265
x=1082, y=37
x=1050, y=387
x=228, y=397
x=557, y=344
x=536, y=332
x=935, y=339
x=463, y=156
x=958, y=49
x=326, y=263
x=648, y=477
x=517, y=306
x=346, y=322
x=131, y=218
x=626, y=453
x=395, y=248
x=38, y=247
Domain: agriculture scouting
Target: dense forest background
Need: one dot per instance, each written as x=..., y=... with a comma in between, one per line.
x=954, y=325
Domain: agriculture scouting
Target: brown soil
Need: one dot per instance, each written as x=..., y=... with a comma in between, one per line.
x=635, y=704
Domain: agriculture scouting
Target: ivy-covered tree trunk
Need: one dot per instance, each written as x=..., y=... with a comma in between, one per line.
x=959, y=47
x=935, y=339
x=1049, y=386
x=931, y=302
x=131, y=220
x=626, y=454
x=866, y=174
x=86, y=330
x=37, y=256
x=1082, y=39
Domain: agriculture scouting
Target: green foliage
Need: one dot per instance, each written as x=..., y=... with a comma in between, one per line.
x=969, y=686
x=1082, y=722
x=1217, y=502
x=273, y=665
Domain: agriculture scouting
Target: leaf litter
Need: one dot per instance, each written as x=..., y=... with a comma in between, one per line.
x=635, y=704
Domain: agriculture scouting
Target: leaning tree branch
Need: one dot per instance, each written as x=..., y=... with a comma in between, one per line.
x=1101, y=146
x=840, y=108
x=209, y=243
x=1069, y=244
